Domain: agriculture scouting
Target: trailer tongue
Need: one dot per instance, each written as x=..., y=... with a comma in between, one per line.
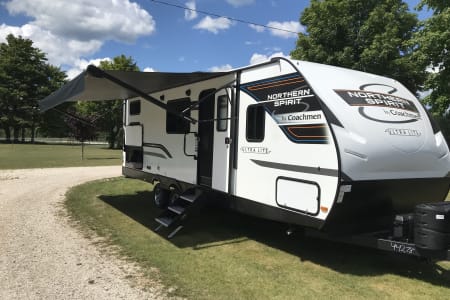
x=424, y=233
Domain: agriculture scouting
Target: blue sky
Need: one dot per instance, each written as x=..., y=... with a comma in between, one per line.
x=159, y=37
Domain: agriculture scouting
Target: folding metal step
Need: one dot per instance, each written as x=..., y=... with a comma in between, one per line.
x=191, y=197
x=178, y=209
x=172, y=234
x=175, y=213
x=167, y=218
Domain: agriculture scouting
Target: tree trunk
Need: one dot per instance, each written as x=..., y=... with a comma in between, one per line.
x=33, y=128
x=23, y=134
x=112, y=136
x=16, y=130
x=7, y=133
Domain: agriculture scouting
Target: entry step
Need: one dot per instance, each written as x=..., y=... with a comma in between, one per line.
x=178, y=209
x=167, y=219
x=192, y=196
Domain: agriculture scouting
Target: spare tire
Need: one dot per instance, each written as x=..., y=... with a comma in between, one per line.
x=431, y=239
x=433, y=216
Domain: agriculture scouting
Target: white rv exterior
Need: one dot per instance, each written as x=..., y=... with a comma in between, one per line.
x=291, y=141
x=297, y=142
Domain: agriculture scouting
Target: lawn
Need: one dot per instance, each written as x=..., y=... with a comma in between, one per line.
x=24, y=156
x=225, y=255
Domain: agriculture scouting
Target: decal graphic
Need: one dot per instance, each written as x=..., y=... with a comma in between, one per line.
x=292, y=104
x=255, y=150
x=381, y=107
x=403, y=132
x=309, y=133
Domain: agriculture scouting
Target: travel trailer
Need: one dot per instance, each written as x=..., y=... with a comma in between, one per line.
x=348, y=155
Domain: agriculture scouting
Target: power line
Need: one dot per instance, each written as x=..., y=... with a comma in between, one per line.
x=220, y=16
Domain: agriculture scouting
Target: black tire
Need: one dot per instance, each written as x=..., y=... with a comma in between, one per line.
x=160, y=196
x=433, y=216
x=431, y=239
x=173, y=197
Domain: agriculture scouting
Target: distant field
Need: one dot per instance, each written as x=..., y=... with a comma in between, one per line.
x=25, y=156
x=225, y=255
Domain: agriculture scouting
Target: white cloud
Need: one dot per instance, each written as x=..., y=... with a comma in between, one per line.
x=222, y=68
x=422, y=94
x=434, y=69
x=251, y=43
x=291, y=26
x=259, y=58
x=81, y=64
x=237, y=3
x=148, y=69
x=258, y=28
x=84, y=20
x=59, y=49
x=214, y=25
x=272, y=49
x=69, y=30
x=190, y=14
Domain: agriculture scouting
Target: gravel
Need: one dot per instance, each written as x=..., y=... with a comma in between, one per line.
x=43, y=257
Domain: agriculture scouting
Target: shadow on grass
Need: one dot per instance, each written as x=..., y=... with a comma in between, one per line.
x=214, y=227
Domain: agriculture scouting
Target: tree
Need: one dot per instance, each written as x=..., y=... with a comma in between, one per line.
x=109, y=113
x=365, y=35
x=433, y=53
x=25, y=78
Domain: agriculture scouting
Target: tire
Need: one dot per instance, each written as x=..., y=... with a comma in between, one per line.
x=160, y=196
x=173, y=197
x=431, y=239
x=433, y=216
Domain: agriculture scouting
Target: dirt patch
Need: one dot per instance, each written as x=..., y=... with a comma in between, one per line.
x=43, y=257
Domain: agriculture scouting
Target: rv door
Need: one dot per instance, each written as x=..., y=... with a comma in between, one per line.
x=221, y=141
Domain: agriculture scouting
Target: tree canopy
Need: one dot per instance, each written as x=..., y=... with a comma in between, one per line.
x=366, y=35
x=25, y=78
x=432, y=53
x=109, y=113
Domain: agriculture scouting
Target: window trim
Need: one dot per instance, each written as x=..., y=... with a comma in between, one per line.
x=186, y=123
x=263, y=125
x=133, y=103
x=222, y=120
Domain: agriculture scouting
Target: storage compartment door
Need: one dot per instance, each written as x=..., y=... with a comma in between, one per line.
x=298, y=195
x=133, y=135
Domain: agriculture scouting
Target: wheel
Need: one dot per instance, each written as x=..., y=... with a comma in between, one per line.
x=173, y=197
x=161, y=196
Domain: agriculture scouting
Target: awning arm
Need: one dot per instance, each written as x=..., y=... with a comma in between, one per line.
x=99, y=73
x=197, y=104
x=75, y=117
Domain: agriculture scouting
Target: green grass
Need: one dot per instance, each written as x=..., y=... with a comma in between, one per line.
x=225, y=255
x=24, y=156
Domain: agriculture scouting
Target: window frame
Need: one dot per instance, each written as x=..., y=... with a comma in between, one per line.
x=176, y=105
x=257, y=137
x=222, y=121
x=132, y=107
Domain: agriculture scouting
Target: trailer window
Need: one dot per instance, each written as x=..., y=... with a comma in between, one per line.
x=135, y=107
x=176, y=124
x=256, y=118
x=222, y=113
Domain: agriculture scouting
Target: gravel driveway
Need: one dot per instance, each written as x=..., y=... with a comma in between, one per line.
x=42, y=256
